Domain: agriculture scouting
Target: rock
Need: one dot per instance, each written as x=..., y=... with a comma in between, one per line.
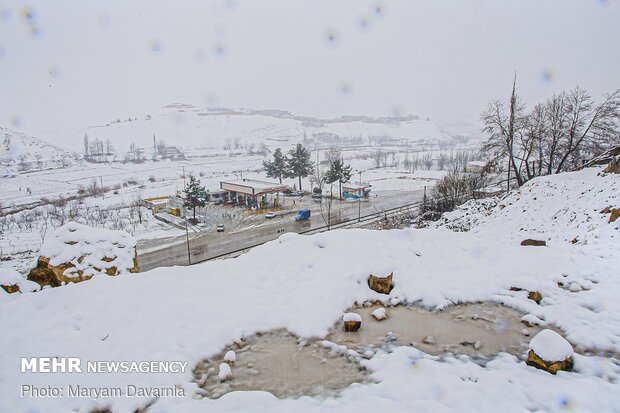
x=551, y=367
x=368, y=354
x=379, y=314
x=381, y=284
x=352, y=322
x=533, y=243
x=477, y=345
x=615, y=214
x=390, y=337
x=429, y=340
x=613, y=167
x=525, y=332
x=531, y=320
x=606, y=210
x=77, y=252
x=225, y=372
x=12, y=288
x=551, y=352
x=535, y=296
x=230, y=357
x=12, y=281
x=574, y=287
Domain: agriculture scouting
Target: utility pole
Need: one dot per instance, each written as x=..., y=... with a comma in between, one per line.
x=189, y=255
x=359, y=201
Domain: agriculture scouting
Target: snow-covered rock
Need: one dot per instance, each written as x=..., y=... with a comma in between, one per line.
x=351, y=317
x=12, y=281
x=225, y=372
x=550, y=346
x=76, y=252
x=352, y=322
x=429, y=340
x=551, y=352
x=230, y=357
x=379, y=314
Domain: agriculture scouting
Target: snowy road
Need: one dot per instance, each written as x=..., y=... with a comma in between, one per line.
x=167, y=252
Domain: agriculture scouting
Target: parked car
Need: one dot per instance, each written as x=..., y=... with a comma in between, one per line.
x=270, y=215
x=297, y=193
x=220, y=228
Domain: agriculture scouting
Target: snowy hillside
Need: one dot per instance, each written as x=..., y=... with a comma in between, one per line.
x=20, y=152
x=306, y=283
x=561, y=209
x=188, y=126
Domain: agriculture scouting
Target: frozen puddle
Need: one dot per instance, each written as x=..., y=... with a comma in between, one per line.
x=282, y=364
x=478, y=329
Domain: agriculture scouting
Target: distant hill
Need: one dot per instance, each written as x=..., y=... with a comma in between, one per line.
x=20, y=152
x=190, y=127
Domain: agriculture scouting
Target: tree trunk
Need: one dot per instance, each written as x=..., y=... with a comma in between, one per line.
x=300, y=182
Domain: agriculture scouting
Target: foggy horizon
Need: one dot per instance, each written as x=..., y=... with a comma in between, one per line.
x=69, y=65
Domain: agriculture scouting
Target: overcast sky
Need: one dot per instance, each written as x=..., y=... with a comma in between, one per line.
x=68, y=64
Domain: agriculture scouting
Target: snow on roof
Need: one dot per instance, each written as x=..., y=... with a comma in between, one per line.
x=550, y=346
x=87, y=247
x=254, y=183
x=477, y=163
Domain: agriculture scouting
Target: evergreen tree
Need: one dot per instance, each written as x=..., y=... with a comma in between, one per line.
x=195, y=195
x=338, y=172
x=276, y=168
x=299, y=164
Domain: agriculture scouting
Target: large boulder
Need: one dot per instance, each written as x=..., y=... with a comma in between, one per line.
x=77, y=252
x=551, y=352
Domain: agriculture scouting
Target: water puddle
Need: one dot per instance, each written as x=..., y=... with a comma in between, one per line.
x=478, y=329
x=282, y=364
x=287, y=366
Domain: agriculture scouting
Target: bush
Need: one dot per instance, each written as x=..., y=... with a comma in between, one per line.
x=453, y=190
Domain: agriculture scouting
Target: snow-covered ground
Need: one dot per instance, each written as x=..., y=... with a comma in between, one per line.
x=306, y=283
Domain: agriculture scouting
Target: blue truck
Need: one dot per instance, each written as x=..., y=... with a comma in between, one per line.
x=303, y=215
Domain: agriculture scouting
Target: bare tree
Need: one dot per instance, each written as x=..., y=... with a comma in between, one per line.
x=39, y=158
x=502, y=128
x=555, y=136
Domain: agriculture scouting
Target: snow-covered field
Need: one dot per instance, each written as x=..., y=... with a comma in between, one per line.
x=306, y=283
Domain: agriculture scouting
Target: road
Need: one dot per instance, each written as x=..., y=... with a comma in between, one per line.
x=167, y=252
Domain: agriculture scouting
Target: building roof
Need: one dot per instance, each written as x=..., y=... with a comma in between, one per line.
x=357, y=186
x=255, y=186
x=481, y=164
